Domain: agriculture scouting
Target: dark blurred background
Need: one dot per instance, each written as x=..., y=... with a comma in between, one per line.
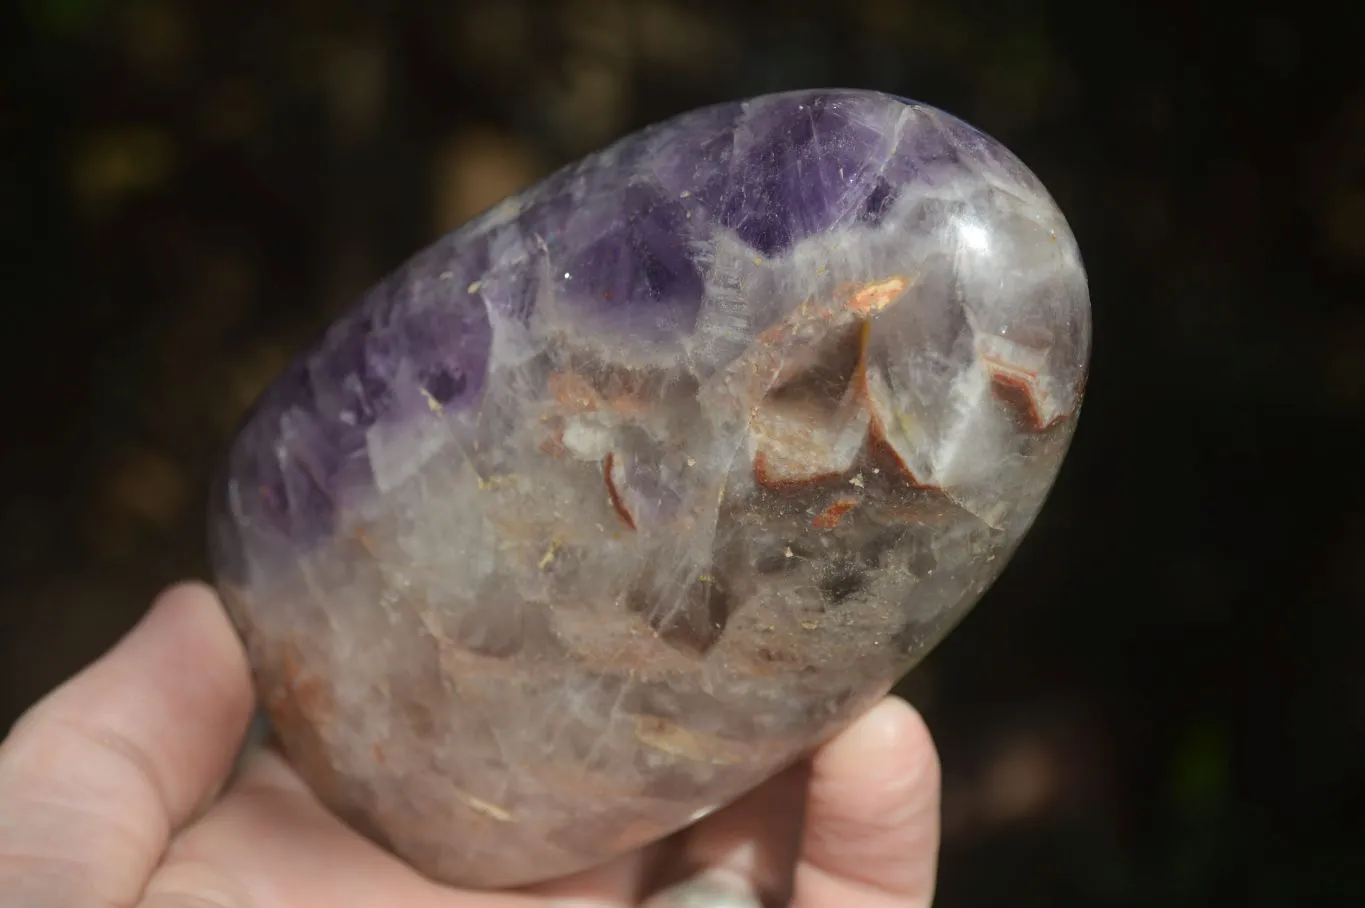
x=1162, y=703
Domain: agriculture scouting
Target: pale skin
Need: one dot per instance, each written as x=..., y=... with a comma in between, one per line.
x=116, y=791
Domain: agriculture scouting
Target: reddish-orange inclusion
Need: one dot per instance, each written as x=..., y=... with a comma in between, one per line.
x=614, y=494
x=829, y=518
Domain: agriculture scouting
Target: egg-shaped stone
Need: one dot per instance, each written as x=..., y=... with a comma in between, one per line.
x=612, y=503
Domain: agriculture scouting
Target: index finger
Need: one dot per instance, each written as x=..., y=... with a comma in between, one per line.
x=95, y=778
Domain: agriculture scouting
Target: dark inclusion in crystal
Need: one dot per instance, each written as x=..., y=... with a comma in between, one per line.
x=609, y=504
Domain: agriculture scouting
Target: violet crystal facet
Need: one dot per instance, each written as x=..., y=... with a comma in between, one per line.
x=615, y=501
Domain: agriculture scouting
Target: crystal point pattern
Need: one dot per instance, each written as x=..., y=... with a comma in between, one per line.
x=606, y=506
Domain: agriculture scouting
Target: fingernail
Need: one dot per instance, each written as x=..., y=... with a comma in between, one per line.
x=714, y=888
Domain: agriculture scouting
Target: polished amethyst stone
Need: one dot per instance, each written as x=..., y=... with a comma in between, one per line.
x=613, y=502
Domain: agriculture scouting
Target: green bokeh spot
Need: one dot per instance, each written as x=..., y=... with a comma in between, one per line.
x=62, y=18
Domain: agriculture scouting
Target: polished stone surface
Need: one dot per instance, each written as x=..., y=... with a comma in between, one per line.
x=608, y=505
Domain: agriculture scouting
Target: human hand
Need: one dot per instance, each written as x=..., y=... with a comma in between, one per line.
x=115, y=793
